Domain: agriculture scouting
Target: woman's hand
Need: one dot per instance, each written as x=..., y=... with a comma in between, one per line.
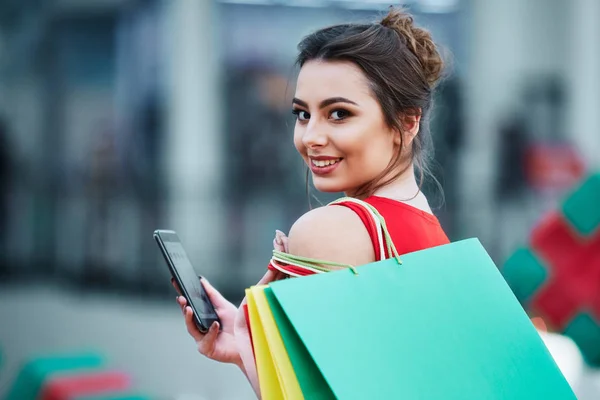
x=214, y=344
x=232, y=344
x=280, y=243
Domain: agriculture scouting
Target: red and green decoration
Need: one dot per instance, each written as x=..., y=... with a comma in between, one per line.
x=557, y=275
x=77, y=376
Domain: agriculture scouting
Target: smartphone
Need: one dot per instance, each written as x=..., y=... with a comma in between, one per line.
x=188, y=282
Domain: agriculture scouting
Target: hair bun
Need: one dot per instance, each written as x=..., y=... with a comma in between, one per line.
x=419, y=41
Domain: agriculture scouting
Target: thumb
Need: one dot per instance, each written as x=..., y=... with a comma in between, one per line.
x=214, y=295
x=281, y=241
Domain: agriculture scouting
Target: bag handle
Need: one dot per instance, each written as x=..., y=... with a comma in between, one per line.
x=311, y=265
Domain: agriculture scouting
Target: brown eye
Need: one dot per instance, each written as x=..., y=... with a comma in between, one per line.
x=301, y=115
x=339, y=114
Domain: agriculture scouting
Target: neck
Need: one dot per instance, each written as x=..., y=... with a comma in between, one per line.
x=406, y=190
x=403, y=188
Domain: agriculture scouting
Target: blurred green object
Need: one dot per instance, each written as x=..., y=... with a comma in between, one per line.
x=585, y=331
x=36, y=371
x=556, y=276
x=582, y=207
x=525, y=273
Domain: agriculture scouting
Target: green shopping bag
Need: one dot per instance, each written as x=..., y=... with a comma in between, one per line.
x=443, y=324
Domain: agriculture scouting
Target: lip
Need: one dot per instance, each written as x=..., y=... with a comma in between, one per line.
x=324, y=170
x=323, y=158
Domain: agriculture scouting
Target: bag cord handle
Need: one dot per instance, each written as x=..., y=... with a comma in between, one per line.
x=321, y=266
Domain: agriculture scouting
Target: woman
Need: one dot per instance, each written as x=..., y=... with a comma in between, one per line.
x=362, y=102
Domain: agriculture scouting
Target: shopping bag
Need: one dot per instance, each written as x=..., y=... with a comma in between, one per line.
x=443, y=324
x=270, y=385
x=288, y=386
x=276, y=374
x=312, y=384
x=440, y=323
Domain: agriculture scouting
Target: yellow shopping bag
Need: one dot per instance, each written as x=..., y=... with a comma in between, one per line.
x=270, y=387
x=275, y=372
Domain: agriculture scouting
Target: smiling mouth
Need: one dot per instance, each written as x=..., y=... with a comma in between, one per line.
x=325, y=163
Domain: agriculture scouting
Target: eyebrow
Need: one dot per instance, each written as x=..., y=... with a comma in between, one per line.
x=324, y=103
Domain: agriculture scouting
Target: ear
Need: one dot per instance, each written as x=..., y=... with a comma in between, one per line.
x=410, y=126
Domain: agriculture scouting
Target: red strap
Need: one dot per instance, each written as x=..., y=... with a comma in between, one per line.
x=292, y=269
x=369, y=223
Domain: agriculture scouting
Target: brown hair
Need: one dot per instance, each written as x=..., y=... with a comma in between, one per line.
x=403, y=66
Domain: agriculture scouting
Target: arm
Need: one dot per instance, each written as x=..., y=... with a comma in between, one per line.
x=328, y=233
x=332, y=233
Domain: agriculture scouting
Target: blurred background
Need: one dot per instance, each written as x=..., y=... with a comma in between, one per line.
x=118, y=117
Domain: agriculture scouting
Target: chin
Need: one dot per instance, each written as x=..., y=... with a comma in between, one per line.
x=328, y=185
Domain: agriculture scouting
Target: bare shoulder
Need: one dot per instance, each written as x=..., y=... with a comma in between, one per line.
x=332, y=233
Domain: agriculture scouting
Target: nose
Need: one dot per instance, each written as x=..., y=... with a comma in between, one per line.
x=314, y=135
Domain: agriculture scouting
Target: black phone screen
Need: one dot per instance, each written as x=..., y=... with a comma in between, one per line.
x=189, y=279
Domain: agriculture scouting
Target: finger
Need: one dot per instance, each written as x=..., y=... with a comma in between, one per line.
x=279, y=236
x=191, y=325
x=282, y=240
x=278, y=246
x=182, y=302
x=277, y=242
x=207, y=344
x=176, y=286
x=216, y=298
x=285, y=244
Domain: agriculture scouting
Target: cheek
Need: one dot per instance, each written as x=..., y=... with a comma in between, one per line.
x=370, y=154
x=362, y=144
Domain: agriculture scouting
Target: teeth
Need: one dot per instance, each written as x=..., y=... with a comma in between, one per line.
x=324, y=163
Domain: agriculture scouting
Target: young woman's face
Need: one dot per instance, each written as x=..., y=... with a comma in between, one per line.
x=340, y=128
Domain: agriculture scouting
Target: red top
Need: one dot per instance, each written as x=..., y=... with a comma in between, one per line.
x=411, y=229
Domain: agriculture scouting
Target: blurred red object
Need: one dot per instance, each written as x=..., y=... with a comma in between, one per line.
x=69, y=387
x=574, y=271
x=553, y=166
